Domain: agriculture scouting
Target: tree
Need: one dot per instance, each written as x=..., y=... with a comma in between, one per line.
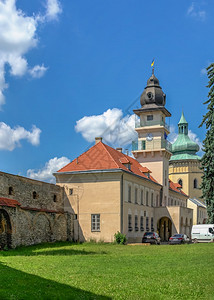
x=207, y=161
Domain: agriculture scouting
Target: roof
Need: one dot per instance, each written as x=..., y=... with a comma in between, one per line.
x=198, y=202
x=182, y=119
x=176, y=187
x=9, y=202
x=103, y=157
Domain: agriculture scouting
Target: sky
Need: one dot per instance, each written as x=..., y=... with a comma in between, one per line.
x=71, y=70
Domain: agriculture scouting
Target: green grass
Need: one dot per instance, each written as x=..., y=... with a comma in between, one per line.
x=107, y=271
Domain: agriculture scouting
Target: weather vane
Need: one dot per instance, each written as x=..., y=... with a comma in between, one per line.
x=152, y=65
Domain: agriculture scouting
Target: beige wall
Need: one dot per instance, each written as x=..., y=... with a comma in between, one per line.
x=187, y=171
x=199, y=213
x=93, y=194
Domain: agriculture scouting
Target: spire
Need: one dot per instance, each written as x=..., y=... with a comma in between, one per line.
x=183, y=125
x=182, y=119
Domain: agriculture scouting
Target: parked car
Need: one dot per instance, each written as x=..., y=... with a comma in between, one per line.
x=179, y=239
x=151, y=237
x=203, y=233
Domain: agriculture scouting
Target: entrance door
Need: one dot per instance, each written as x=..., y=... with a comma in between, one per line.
x=164, y=229
x=5, y=230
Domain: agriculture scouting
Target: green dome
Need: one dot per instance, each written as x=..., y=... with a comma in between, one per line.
x=184, y=147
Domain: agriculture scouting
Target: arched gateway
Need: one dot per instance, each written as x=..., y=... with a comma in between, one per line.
x=5, y=229
x=164, y=227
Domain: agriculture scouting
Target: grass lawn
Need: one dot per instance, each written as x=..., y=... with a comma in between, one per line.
x=107, y=271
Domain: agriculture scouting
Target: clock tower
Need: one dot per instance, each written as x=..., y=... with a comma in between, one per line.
x=152, y=148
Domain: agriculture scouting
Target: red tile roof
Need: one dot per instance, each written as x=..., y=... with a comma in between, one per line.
x=176, y=187
x=103, y=157
x=9, y=202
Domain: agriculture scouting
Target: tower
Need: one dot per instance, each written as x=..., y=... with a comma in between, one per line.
x=184, y=165
x=152, y=149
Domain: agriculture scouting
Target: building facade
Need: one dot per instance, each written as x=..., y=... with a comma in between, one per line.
x=184, y=169
x=109, y=191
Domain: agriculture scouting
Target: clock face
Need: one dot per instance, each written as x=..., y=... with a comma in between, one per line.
x=149, y=137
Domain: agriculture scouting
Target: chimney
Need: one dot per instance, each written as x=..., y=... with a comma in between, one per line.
x=98, y=139
x=119, y=149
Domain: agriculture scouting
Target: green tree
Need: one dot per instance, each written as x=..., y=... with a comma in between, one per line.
x=207, y=161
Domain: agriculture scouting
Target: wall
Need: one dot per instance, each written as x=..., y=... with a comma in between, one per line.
x=93, y=193
x=187, y=171
x=35, y=220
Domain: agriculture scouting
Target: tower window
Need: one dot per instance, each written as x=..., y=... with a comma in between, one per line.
x=195, y=183
x=180, y=182
x=149, y=117
x=54, y=198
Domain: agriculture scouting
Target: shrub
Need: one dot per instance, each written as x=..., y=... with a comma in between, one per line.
x=120, y=238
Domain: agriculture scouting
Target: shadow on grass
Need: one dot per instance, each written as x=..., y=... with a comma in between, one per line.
x=16, y=284
x=56, y=249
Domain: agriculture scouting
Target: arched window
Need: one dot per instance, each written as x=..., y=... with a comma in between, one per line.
x=180, y=182
x=195, y=183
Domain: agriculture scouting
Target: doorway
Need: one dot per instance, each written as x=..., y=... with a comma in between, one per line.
x=5, y=230
x=164, y=227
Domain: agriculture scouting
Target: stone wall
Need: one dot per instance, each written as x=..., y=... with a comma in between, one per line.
x=36, y=213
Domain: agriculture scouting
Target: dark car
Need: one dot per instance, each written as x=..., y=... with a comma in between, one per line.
x=151, y=237
x=178, y=239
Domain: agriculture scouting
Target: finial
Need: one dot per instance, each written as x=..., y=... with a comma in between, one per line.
x=152, y=65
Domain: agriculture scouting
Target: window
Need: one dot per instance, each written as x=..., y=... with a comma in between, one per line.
x=143, y=145
x=54, y=198
x=147, y=224
x=129, y=194
x=136, y=195
x=141, y=197
x=136, y=223
x=130, y=222
x=180, y=182
x=157, y=200
x=95, y=222
x=149, y=117
x=147, y=198
x=152, y=224
x=34, y=195
x=144, y=213
x=10, y=191
x=152, y=204
x=75, y=216
x=71, y=191
x=141, y=224
x=195, y=184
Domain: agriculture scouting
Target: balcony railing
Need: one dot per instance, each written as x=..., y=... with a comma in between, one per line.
x=151, y=145
x=139, y=124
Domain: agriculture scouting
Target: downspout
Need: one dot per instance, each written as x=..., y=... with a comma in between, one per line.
x=121, y=204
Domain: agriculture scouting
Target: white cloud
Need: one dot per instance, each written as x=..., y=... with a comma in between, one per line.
x=18, y=36
x=38, y=71
x=115, y=129
x=53, y=9
x=196, y=12
x=46, y=173
x=10, y=138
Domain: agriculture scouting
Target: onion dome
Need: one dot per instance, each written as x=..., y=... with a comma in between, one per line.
x=153, y=93
x=184, y=147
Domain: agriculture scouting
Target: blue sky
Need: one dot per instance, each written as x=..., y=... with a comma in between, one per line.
x=66, y=60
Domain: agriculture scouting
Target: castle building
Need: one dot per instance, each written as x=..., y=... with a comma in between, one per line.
x=184, y=168
x=109, y=191
x=104, y=191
